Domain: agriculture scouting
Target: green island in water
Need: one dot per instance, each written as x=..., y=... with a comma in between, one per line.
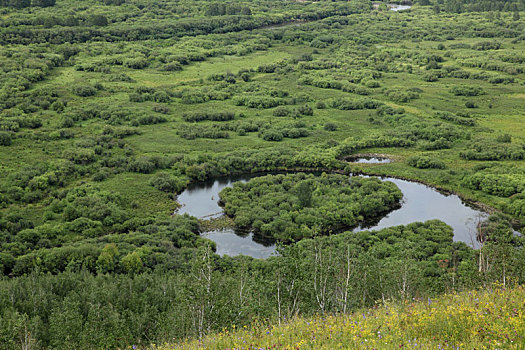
x=262, y=174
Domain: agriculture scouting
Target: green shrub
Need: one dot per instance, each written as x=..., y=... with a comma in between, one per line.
x=425, y=162
x=466, y=90
x=5, y=139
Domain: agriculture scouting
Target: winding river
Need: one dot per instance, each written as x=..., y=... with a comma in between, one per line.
x=420, y=203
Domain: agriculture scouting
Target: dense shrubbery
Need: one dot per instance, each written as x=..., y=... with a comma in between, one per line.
x=167, y=183
x=425, y=162
x=259, y=102
x=205, y=132
x=213, y=116
x=5, y=139
x=460, y=120
x=347, y=104
x=490, y=151
x=90, y=256
x=399, y=263
x=352, y=145
x=291, y=207
x=503, y=185
x=399, y=95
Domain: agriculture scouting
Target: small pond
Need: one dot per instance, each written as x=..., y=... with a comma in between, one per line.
x=230, y=243
x=200, y=199
x=420, y=203
x=396, y=7
x=370, y=160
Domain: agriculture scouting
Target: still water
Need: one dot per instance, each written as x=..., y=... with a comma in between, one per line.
x=420, y=203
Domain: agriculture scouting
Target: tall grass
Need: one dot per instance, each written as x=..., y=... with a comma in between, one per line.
x=489, y=319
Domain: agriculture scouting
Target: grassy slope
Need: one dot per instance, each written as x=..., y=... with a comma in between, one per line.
x=493, y=319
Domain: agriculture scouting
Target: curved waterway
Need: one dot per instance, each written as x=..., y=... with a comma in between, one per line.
x=420, y=203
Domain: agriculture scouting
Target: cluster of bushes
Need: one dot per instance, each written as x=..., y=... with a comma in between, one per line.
x=465, y=120
x=487, y=45
x=167, y=183
x=438, y=144
x=304, y=110
x=195, y=96
x=84, y=90
x=416, y=129
x=407, y=95
x=19, y=4
x=144, y=93
x=220, y=9
x=148, y=164
x=488, y=151
x=277, y=134
x=5, y=138
x=345, y=104
x=213, y=116
x=148, y=120
x=502, y=185
x=252, y=161
x=331, y=83
x=419, y=260
x=425, y=162
x=352, y=145
x=295, y=206
x=260, y=102
x=102, y=241
x=203, y=131
x=491, y=65
x=467, y=90
x=317, y=65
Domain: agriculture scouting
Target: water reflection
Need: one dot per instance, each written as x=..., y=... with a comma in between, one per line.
x=396, y=7
x=420, y=203
x=230, y=243
x=371, y=160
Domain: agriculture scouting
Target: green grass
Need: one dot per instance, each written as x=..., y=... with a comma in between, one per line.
x=489, y=319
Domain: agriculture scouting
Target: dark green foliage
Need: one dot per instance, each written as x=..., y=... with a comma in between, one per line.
x=167, y=183
x=291, y=207
x=213, y=116
x=80, y=155
x=206, y=132
x=436, y=145
x=460, y=120
x=489, y=151
x=90, y=253
x=259, y=102
x=97, y=20
x=148, y=120
x=399, y=95
x=330, y=127
x=503, y=185
x=352, y=145
x=425, y=162
x=43, y=3
x=5, y=139
x=84, y=90
x=272, y=135
x=505, y=138
x=346, y=104
x=487, y=45
x=142, y=165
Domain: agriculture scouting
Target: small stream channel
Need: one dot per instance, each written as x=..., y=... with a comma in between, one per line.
x=420, y=203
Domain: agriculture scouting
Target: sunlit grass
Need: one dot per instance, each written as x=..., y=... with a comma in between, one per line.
x=492, y=319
